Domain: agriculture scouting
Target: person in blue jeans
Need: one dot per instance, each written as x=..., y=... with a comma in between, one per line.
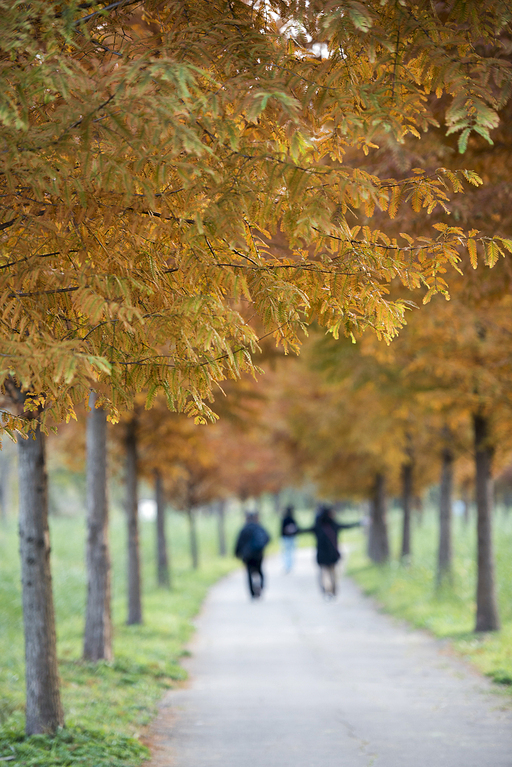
x=288, y=532
x=250, y=547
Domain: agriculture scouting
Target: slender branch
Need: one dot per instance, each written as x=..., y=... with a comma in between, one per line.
x=43, y=292
x=110, y=7
x=34, y=255
x=7, y=224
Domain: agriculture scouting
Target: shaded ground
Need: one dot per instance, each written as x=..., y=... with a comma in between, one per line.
x=292, y=680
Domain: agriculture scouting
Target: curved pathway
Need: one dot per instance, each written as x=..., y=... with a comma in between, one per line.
x=294, y=681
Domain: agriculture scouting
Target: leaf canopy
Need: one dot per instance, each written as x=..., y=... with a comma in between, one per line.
x=171, y=170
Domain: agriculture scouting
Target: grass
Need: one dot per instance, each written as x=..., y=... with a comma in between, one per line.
x=409, y=591
x=107, y=705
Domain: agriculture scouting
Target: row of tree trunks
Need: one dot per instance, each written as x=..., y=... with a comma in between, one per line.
x=44, y=713
x=378, y=545
x=98, y=622
x=43, y=705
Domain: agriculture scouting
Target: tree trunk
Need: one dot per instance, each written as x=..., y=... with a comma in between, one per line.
x=378, y=546
x=194, y=550
x=98, y=621
x=134, y=589
x=221, y=520
x=486, y=603
x=407, y=499
x=444, y=554
x=43, y=710
x=163, y=573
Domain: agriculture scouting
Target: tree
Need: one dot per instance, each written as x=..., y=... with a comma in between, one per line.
x=43, y=709
x=150, y=161
x=444, y=557
x=98, y=621
x=486, y=602
x=132, y=518
x=162, y=555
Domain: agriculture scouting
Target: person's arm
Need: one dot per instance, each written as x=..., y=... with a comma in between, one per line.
x=347, y=525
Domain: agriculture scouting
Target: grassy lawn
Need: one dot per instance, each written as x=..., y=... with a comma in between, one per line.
x=107, y=705
x=409, y=592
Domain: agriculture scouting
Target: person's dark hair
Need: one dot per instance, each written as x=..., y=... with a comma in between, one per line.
x=324, y=512
x=251, y=516
x=289, y=511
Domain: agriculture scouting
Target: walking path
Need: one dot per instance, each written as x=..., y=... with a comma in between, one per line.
x=294, y=681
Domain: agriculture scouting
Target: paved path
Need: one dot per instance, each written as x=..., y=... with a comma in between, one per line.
x=293, y=681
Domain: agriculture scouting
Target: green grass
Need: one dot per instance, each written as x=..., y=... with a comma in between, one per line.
x=410, y=592
x=107, y=704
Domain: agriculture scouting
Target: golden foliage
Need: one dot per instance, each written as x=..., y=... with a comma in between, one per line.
x=150, y=154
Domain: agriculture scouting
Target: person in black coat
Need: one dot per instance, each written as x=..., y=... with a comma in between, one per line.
x=250, y=547
x=326, y=531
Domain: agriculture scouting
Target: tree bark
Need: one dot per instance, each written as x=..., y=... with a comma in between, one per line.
x=378, y=546
x=194, y=549
x=163, y=572
x=98, y=621
x=221, y=520
x=43, y=709
x=444, y=554
x=486, y=603
x=134, y=578
x=407, y=500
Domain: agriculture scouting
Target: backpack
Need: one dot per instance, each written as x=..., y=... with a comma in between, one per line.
x=256, y=542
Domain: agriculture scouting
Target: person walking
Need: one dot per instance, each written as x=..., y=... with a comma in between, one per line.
x=288, y=532
x=326, y=530
x=250, y=547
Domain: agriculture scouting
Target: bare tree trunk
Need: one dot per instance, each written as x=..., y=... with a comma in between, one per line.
x=221, y=519
x=43, y=710
x=486, y=603
x=134, y=578
x=98, y=621
x=194, y=549
x=163, y=573
x=378, y=546
x=444, y=554
x=407, y=499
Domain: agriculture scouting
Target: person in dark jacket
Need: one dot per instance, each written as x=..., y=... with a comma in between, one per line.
x=326, y=531
x=288, y=532
x=250, y=547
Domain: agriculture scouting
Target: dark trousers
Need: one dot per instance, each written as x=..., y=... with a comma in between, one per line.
x=254, y=569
